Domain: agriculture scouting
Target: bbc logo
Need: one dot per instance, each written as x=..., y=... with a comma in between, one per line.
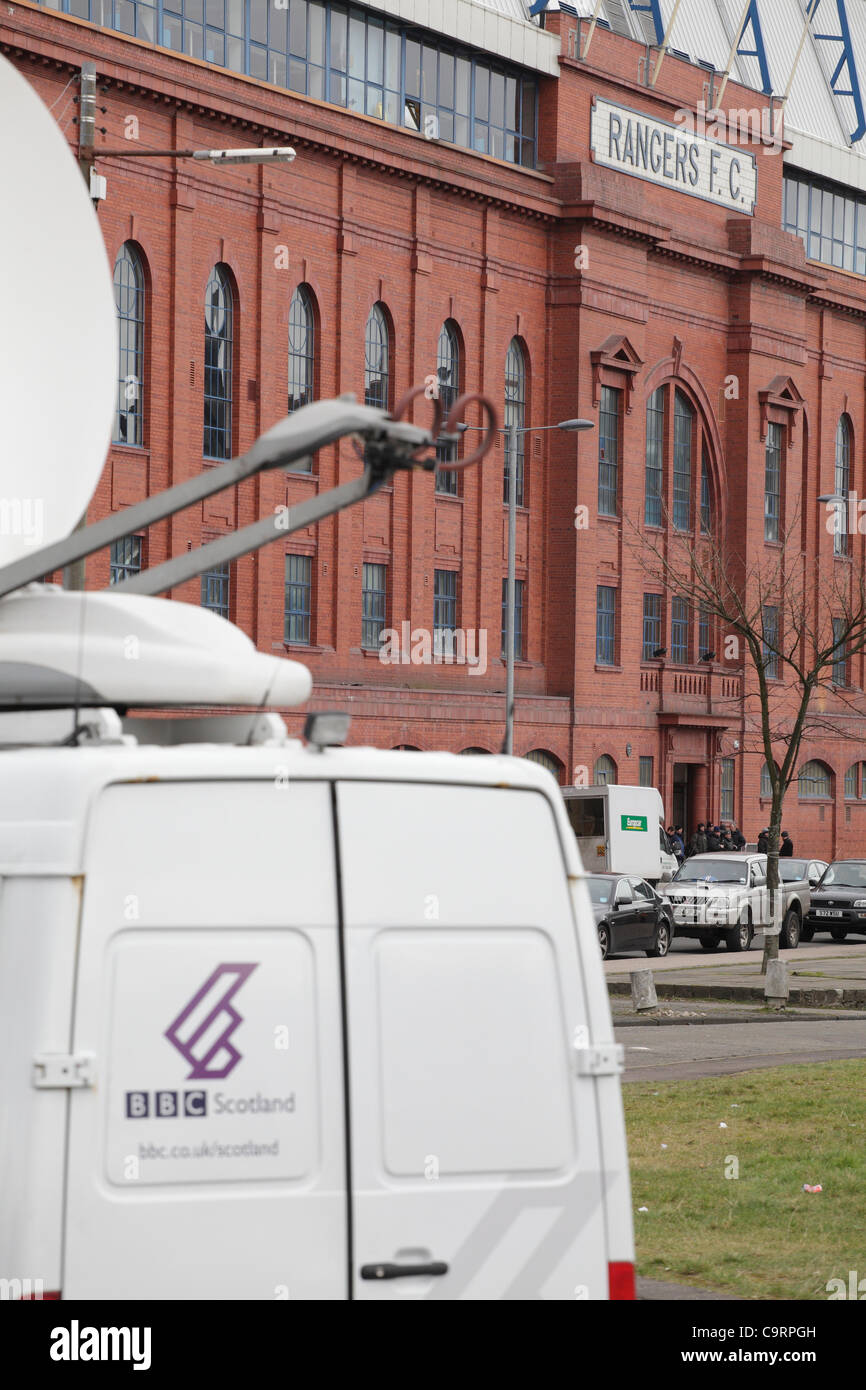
x=165, y=1105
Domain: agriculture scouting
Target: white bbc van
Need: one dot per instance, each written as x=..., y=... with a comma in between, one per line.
x=620, y=829
x=291, y=1021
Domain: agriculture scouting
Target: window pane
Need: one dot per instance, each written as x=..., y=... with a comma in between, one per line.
x=339, y=26
x=462, y=78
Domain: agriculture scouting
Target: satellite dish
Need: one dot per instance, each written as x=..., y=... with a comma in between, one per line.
x=58, y=348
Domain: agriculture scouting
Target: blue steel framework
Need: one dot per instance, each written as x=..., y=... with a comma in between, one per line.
x=347, y=56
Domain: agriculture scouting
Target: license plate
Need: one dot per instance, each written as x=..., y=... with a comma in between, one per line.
x=827, y=912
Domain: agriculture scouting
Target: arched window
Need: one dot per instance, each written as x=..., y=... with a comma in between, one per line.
x=814, y=781
x=706, y=494
x=654, y=458
x=377, y=354
x=218, y=364
x=448, y=372
x=129, y=300
x=302, y=346
x=841, y=541
x=684, y=428
x=515, y=410
x=855, y=782
x=545, y=759
x=604, y=771
x=464, y=751
x=766, y=784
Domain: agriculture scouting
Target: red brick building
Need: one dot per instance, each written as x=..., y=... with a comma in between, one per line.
x=665, y=302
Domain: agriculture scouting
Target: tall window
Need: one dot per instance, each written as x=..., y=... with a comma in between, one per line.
x=652, y=626
x=215, y=590
x=830, y=222
x=684, y=425
x=840, y=656
x=129, y=301
x=605, y=625
x=645, y=772
x=126, y=558
x=515, y=409
x=813, y=782
x=604, y=771
x=374, y=595
x=377, y=367
x=655, y=443
x=680, y=620
x=519, y=585
x=705, y=633
x=766, y=784
x=841, y=540
x=298, y=591
x=444, y=612
x=218, y=365
x=770, y=624
x=855, y=782
x=608, y=450
x=772, y=482
x=727, y=789
x=302, y=345
x=448, y=372
x=706, y=495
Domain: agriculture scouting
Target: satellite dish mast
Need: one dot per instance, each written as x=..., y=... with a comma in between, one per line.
x=58, y=353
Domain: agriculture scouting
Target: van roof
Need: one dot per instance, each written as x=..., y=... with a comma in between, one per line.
x=45, y=793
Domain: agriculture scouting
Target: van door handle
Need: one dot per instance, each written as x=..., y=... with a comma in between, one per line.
x=392, y=1271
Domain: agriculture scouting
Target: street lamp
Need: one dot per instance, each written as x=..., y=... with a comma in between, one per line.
x=511, y=433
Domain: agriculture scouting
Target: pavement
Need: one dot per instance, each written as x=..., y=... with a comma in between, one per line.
x=715, y=1049
x=821, y=975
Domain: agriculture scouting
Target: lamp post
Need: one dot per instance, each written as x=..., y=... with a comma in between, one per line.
x=512, y=432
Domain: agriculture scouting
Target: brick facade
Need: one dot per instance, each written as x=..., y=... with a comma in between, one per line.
x=672, y=291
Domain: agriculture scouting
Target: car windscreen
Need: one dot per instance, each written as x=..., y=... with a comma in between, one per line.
x=600, y=889
x=711, y=871
x=845, y=876
x=792, y=869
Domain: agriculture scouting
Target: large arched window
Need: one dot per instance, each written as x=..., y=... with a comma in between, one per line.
x=548, y=760
x=377, y=359
x=814, y=782
x=841, y=541
x=604, y=771
x=219, y=313
x=515, y=411
x=302, y=348
x=129, y=300
x=448, y=372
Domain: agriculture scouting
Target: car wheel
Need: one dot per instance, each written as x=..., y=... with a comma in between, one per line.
x=662, y=943
x=739, y=938
x=806, y=933
x=838, y=933
x=709, y=943
x=789, y=937
x=604, y=941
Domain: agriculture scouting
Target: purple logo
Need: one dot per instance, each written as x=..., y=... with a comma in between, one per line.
x=201, y=1032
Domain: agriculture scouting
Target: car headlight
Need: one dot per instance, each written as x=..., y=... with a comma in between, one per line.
x=861, y=902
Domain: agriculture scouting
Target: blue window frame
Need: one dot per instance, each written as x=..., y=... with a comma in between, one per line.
x=705, y=631
x=828, y=220
x=608, y=450
x=127, y=558
x=218, y=365
x=519, y=586
x=655, y=443
x=840, y=659
x=348, y=56
x=605, y=625
x=706, y=495
x=770, y=642
x=444, y=612
x=129, y=301
x=448, y=372
x=645, y=772
x=680, y=622
x=773, y=482
x=215, y=589
x=298, y=593
x=684, y=428
x=841, y=539
x=374, y=597
x=377, y=358
x=652, y=626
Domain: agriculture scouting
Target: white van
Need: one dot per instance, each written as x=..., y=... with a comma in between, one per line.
x=283, y=1021
x=621, y=830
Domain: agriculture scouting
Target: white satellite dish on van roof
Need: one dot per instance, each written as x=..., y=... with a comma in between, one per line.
x=58, y=348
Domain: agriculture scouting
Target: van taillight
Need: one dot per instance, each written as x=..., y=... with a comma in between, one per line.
x=39, y=1297
x=620, y=1280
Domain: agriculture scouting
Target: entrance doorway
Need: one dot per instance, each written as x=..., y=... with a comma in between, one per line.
x=684, y=796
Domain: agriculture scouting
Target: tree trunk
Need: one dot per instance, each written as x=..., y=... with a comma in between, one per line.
x=771, y=942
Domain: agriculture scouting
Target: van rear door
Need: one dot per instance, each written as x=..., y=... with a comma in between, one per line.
x=474, y=1143
x=208, y=1161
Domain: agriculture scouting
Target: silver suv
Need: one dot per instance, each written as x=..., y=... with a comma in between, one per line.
x=723, y=897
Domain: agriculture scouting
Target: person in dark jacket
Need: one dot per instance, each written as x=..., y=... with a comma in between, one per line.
x=698, y=842
x=786, y=848
x=714, y=842
x=764, y=842
x=676, y=840
x=738, y=839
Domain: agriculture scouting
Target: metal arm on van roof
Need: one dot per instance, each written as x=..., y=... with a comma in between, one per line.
x=390, y=444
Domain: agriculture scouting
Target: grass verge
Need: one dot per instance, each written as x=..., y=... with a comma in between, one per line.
x=726, y=1206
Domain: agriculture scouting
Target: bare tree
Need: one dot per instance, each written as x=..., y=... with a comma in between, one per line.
x=792, y=629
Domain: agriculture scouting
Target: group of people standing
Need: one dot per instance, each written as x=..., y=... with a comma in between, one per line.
x=711, y=839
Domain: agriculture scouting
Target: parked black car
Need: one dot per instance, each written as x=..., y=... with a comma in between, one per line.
x=629, y=915
x=839, y=901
